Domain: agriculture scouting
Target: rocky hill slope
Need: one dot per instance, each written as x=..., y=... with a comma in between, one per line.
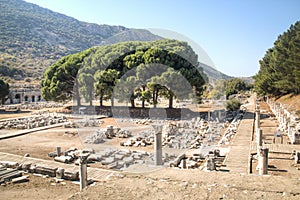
x=32, y=37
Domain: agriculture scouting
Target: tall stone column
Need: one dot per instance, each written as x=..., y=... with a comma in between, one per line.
x=83, y=171
x=257, y=117
x=158, y=143
x=263, y=161
x=259, y=140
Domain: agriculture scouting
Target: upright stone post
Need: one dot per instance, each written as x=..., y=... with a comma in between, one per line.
x=83, y=170
x=257, y=117
x=158, y=143
x=297, y=157
x=258, y=140
x=263, y=161
x=58, y=151
x=208, y=115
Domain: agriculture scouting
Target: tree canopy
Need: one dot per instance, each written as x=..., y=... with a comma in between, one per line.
x=279, y=72
x=234, y=86
x=140, y=70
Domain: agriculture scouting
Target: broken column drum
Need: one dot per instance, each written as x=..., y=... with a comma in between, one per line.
x=58, y=151
x=158, y=143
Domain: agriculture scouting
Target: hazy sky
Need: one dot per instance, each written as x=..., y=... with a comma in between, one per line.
x=234, y=33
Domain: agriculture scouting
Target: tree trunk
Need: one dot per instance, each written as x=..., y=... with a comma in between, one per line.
x=101, y=100
x=153, y=98
x=91, y=99
x=132, y=103
x=143, y=100
x=171, y=101
x=112, y=101
x=143, y=103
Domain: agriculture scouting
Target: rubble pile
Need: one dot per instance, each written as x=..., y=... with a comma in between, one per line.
x=109, y=158
x=180, y=134
x=108, y=133
x=69, y=156
x=146, y=121
x=142, y=139
x=13, y=172
x=231, y=129
x=32, y=121
x=40, y=105
x=87, y=122
x=190, y=134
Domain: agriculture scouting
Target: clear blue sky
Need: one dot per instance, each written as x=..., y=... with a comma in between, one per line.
x=234, y=33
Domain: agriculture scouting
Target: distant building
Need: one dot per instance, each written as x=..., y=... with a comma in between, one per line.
x=23, y=93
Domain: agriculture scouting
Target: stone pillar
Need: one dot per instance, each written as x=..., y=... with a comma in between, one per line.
x=58, y=151
x=297, y=157
x=158, y=143
x=211, y=166
x=257, y=117
x=184, y=163
x=263, y=161
x=250, y=164
x=208, y=115
x=258, y=140
x=83, y=171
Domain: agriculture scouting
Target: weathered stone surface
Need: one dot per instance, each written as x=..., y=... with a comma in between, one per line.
x=21, y=179
x=50, y=171
x=71, y=176
x=63, y=159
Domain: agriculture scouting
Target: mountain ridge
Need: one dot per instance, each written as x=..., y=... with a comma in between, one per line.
x=32, y=38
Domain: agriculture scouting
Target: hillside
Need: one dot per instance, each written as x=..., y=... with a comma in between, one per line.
x=32, y=38
x=213, y=74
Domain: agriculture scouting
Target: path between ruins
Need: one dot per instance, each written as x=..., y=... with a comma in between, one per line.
x=238, y=157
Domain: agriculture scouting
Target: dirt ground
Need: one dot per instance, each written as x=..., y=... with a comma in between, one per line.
x=165, y=183
x=162, y=184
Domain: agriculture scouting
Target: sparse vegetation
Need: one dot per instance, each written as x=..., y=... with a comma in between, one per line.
x=233, y=104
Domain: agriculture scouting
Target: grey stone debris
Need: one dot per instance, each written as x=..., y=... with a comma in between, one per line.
x=21, y=179
x=46, y=170
x=231, y=129
x=108, y=133
x=60, y=173
x=35, y=121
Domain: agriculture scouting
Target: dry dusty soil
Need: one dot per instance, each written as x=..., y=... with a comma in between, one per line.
x=164, y=183
x=161, y=184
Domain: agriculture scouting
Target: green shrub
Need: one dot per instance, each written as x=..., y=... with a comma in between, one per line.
x=233, y=104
